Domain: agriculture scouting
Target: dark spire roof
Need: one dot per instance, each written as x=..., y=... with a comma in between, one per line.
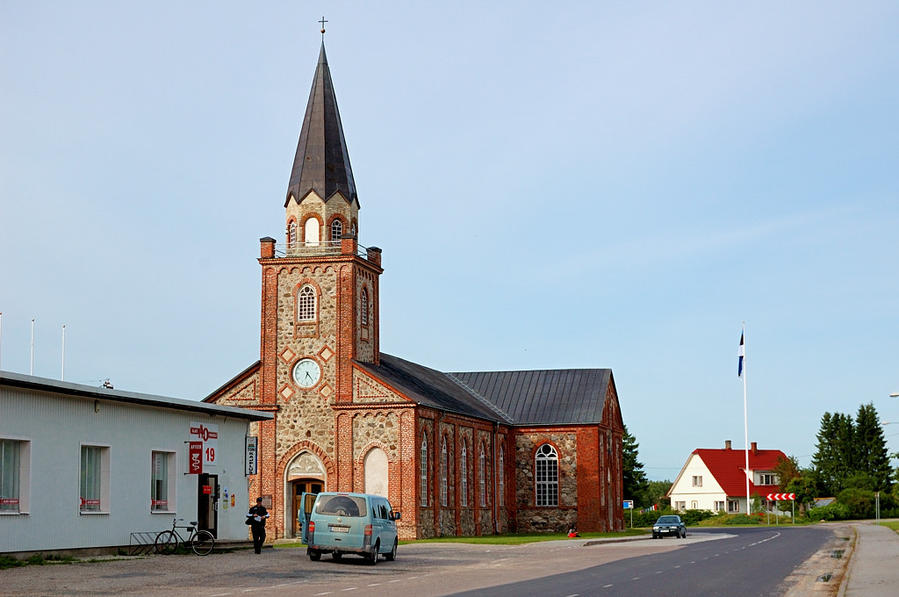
x=322, y=163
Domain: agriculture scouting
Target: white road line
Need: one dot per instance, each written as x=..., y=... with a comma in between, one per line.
x=412, y=578
x=659, y=571
x=395, y=580
x=677, y=566
x=325, y=593
x=573, y=595
x=375, y=584
x=219, y=594
x=693, y=562
x=607, y=586
x=636, y=578
x=349, y=589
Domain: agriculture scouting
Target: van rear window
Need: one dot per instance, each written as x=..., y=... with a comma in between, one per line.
x=341, y=505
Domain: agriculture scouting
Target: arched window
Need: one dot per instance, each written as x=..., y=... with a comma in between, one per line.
x=310, y=228
x=424, y=470
x=482, y=478
x=546, y=473
x=363, y=317
x=463, y=470
x=501, y=471
x=306, y=304
x=353, y=229
x=336, y=229
x=292, y=233
x=444, y=490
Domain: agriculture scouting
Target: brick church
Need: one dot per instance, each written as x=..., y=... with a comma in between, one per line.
x=463, y=453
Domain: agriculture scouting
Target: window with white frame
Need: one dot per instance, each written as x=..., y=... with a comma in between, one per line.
x=463, y=470
x=94, y=479
x=292, y=233
x=482, y=478
x=733, y=506
x=444, y=489
x=502, y=476
x=719, y=506
x=336, y=229
x=767, y=479
x=162, y=483
x=306, y=304
x=697, y=480
x=311, y=232
x=546, y=473
x=14, y=460
x=423, y=456
x=694, y=504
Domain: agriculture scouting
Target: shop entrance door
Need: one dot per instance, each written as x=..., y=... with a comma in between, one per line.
x=207, y=503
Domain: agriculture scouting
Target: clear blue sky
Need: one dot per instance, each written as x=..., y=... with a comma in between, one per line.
x=554, y=185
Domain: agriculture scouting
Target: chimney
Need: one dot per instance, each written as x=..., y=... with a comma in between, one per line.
x=754, y=447
x=727, y=444
x=266, y=247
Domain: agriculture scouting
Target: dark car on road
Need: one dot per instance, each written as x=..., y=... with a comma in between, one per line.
x=670, y=524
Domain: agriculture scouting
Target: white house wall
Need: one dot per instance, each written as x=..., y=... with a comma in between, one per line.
x=705, y=496
x=57, y=425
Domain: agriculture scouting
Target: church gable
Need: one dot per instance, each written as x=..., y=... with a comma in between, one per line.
x=241, y=390
x=367, y=389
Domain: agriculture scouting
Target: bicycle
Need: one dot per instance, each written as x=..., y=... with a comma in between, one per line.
x=200, y=541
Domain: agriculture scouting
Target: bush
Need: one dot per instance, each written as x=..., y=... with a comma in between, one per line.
x=834, y=511
x=741, y=519
x=647, y=519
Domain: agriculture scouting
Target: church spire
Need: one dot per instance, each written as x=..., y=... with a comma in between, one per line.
x=322, y=163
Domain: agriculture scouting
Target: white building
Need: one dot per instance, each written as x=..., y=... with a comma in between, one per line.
x=715, y=479
x=85, y=467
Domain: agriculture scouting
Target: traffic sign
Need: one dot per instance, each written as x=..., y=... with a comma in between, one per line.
x=781, y=497
x=628, y=504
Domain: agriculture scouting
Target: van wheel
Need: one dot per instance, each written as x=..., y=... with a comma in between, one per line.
x=392, y=555
x=315, y=555
x=337, y=555
x=373, y=556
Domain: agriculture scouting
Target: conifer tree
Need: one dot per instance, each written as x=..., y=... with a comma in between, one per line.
x=871, y=450
x=635, y=482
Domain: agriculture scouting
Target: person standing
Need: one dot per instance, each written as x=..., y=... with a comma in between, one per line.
x=258, y=514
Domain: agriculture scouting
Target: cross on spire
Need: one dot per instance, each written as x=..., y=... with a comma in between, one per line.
x=323, y=21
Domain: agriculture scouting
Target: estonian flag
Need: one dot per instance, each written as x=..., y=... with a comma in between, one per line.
x=740, y=354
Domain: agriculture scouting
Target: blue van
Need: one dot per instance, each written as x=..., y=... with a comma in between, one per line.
x=348, y=523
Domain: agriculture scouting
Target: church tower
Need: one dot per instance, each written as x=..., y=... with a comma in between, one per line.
x=319, y=311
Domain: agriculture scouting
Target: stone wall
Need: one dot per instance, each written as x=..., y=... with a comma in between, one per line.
x=546, y=519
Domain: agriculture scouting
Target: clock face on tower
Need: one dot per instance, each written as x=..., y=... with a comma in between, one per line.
x=306, y=373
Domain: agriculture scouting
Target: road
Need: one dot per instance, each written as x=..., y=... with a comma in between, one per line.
x=757, y=561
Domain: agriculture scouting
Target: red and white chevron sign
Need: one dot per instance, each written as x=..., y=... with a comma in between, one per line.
x=781, y=497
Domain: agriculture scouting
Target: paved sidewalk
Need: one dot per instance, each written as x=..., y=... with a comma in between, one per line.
x=874, y=569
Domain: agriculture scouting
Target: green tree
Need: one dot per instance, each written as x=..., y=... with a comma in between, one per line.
x=786, y=470
x=805, y=486
x=635, y=482
x=655, y=493
x=835, y=453
x=872, y=457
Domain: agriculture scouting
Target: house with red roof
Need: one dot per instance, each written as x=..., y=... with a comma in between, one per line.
x=715, y=479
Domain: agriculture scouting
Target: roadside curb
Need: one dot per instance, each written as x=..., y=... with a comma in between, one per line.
x=847, y=569
x=615, y=540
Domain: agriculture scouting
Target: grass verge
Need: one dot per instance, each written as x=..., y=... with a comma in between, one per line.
x=522, y=538
x=891, y=524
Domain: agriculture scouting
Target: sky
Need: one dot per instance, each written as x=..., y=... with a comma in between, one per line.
x=553, y=185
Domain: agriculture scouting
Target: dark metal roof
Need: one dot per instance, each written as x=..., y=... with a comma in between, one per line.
x=544, y=397
x=81, y=391
x=547, y=397
x=322, y=163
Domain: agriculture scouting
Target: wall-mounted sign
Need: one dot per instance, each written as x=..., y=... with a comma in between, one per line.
x=194, y=458
x=207, y=490
x=251, y=453
x=208, y=435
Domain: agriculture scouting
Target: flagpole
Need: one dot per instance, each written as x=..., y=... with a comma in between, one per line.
x=746, y=423
x=31, y=367
x=62, y=373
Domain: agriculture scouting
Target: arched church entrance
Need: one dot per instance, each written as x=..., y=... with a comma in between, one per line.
x=305, y=474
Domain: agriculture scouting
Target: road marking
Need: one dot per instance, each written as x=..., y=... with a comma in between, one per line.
x=325, y=593
x=395, y=580
x=677, y=566
x=219, y=594
x=659, y=571
x=607, y=586
x=636, y=578
x=573, y=595
x=693, y=562
x=349, y=589
x=375, y=584
x=412, y=578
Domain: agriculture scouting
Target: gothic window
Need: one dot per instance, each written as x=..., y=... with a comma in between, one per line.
x=306, y=304
x=502, y=476
x=353, y=229
x=443, y=473
x=336, y=230
x=482, y=478
x=423, y=456
x=463, y=469
x=546, y=472
x=364, y=300
x=292, y=233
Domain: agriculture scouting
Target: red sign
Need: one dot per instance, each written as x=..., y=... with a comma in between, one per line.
x=9, y=501
x=204, y=432
x=194, y=458
x=781, y=497
x=207, y=490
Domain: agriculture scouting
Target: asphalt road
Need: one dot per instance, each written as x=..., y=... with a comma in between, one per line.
x=739, y=561
x=751, y=562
